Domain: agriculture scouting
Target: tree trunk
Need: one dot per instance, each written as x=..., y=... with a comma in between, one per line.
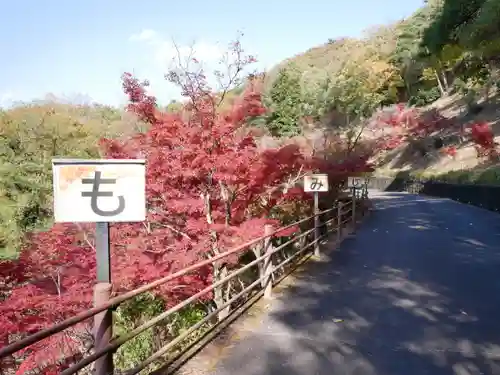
x=494, y=76
x=446, y=86
x=258, y=251
x=408, y=89
x=440, y=85
x=221, y=292
x=220, y=271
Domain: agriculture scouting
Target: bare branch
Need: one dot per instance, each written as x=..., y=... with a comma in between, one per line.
x=86, y=237
x=185, y=235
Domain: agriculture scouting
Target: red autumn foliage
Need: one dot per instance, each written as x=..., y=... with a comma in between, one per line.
x=409, y=122
x=397, y=124
x=205, y=175
x=450, y=151
x=483, y=137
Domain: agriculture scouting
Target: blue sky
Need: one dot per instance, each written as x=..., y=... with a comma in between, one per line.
x=69, y=47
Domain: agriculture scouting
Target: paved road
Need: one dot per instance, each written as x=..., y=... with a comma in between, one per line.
x=416, y=292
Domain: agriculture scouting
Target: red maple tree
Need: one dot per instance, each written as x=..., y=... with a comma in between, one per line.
x=483, y=137
x=209, y=188
x=399, y=123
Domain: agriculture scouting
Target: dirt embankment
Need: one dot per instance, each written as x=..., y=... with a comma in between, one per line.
x=454, y=108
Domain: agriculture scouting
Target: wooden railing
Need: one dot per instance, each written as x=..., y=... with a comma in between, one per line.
x=341, y=219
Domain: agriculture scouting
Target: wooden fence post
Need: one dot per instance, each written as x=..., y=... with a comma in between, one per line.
x=366, y=200
x=268, y=264
x=339, y=221
x=103, y=329
x=316, y=224
x=353, y=208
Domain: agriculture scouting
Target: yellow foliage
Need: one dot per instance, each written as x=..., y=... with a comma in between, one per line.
x=30, y=136
x=428, y=74
x=451, y=53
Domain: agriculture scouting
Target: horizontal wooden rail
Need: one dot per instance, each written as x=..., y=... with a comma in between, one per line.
x=114, y=302
x=179, y=338
x=338, y=212
x=115, y=344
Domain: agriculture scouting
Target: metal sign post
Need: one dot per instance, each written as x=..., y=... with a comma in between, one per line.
x=100, y=191
x=103, y=253
x=355, y=183
x=315, y=184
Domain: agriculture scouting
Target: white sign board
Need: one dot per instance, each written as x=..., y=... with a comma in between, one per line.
x=111, y=190
x=316, y=183
x=356, y=182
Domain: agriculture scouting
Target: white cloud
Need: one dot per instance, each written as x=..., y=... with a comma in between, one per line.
x=7, y=99
x=144, y=35
x=165, y=50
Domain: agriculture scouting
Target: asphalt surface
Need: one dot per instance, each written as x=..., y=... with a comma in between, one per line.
x=416, y=291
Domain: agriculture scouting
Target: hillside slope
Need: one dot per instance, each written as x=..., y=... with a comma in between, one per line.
x=336, y=55
x=426, y=61
x=454, y=108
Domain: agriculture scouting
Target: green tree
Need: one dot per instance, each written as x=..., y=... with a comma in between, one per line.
x=414, y=60
x=285, y=103
x=30, y=136
x=472, y=27
x=453, y=17
x=174, y=106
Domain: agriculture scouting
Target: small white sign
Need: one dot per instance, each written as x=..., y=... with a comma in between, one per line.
x=355, y=182
x=107, y=190
x=316, y=183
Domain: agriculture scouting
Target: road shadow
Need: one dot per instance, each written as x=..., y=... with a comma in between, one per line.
x=404, y=296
